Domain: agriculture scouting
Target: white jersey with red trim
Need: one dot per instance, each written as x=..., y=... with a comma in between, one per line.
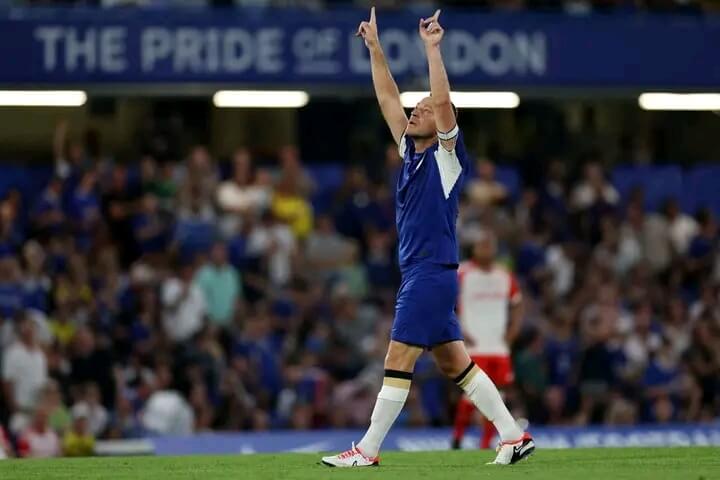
x=484, y=306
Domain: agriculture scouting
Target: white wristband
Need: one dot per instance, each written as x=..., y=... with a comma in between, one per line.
x=449, y=135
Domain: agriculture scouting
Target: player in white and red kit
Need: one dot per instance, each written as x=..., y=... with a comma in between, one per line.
x=490, y=310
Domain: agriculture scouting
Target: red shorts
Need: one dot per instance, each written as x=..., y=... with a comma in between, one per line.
x=498, y=368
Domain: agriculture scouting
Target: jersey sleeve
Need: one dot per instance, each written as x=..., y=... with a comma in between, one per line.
x=406, y=144
x=514, y=293
x=450, y=162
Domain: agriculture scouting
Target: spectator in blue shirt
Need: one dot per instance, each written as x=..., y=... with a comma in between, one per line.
x=660, y=382
x=380, y=212
x=700, y=255
x=353, y=198
x=47, y=216
x=561, y=349
x=553, y=196
x=380, y=262
x=256, y=360
x=84, y=210
x=11, y=235
x=150, y=227
x=195, y=229
x=11, y=291
x=36, y=283
x=531, y=257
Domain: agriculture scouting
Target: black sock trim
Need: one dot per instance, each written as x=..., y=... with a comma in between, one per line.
x=460, y=377
x=398, y=374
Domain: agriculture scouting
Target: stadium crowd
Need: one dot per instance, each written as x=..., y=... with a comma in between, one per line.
x=193, y=295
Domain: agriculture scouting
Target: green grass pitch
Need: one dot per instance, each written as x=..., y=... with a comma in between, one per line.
x=689, y=463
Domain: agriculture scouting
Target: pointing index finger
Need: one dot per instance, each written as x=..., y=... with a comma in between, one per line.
x=436, y=15
x=372, y=15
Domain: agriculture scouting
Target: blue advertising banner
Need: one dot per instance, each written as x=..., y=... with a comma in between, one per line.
x=434, y=439
x=297, y=47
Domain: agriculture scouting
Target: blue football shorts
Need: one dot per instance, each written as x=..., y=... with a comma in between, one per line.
x=425, y=308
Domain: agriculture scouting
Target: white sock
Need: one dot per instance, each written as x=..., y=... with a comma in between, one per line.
x=389, y=403
x=486, y=397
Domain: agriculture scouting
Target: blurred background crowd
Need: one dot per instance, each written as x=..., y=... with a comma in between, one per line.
x=192, y=293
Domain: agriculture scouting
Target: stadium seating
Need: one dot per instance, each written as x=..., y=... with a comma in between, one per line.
x=27, y=180
x=657, y=182
x=701, y=188
x=694, y=188
x=328, y=177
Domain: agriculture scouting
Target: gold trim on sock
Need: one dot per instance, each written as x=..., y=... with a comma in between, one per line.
x=467, y=378
x=397, y=382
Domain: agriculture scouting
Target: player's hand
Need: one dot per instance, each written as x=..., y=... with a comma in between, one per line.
x=368, y=31
x=430, y=30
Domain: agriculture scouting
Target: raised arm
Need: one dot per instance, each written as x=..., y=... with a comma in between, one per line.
x=386, y=89
x=432, y=33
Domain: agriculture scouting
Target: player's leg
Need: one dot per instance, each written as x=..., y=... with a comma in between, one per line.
x=454, y=361
x=465, y=410
x=499, y=369
x=487, y=427
x=426, y=297
x=399, y=364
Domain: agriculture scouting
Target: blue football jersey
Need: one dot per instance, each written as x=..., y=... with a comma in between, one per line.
x=427, y=202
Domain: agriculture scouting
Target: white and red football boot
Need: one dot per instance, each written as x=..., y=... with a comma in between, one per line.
x=512, y=452
x=351, y=458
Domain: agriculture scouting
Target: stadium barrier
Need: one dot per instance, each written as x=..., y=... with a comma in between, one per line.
x=411, y=440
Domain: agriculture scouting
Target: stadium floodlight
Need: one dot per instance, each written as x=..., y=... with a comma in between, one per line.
x=679, y=101
x=468, y=99
x=42, y=98
x=260, y=98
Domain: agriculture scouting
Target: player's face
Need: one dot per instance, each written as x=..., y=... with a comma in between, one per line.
x=484, y=250
x=422, y=120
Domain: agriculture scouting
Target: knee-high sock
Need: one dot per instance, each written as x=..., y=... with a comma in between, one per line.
x=463, y=415
x=486, y=397
x=390, y=401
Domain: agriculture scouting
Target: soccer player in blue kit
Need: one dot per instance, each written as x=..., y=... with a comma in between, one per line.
x=434, y=163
